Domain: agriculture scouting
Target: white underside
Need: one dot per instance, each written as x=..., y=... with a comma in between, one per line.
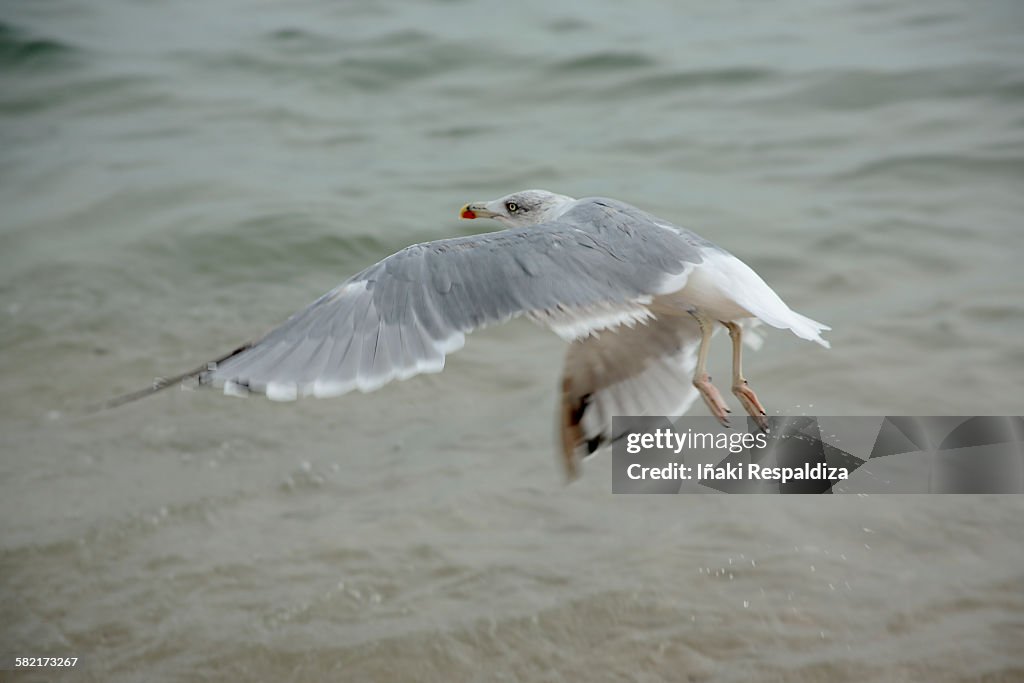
x=579, y=323
x=724, y=288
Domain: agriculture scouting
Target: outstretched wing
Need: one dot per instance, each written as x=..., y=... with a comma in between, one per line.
x=641, y=370
x=593, y=268
x=630, y=370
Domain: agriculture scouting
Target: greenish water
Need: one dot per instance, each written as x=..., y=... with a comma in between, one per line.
x=177, y=178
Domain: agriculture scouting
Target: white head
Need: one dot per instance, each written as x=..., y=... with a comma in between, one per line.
x=520, y=209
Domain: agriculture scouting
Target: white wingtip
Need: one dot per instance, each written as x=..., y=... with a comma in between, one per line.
x=235, y=389
x=330, y=388
x=282, y=391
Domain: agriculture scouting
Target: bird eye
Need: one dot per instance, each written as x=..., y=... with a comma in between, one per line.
x=512, y=207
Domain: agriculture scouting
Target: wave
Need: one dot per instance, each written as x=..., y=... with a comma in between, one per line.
x=929, y=165
x=20, y=49
x=868, y=89
x=602, y=62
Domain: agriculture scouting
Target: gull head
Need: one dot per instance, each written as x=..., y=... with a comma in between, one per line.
x=519, y=209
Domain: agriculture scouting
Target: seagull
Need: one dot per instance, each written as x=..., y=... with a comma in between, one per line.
x=637, y=298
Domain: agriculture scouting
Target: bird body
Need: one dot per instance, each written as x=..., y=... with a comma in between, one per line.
x=636, y=297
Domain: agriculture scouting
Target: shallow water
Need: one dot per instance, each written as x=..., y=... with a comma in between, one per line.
x=177, y=178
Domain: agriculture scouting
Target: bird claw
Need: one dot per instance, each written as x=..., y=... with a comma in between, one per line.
x=750, y=403
x=713, y=399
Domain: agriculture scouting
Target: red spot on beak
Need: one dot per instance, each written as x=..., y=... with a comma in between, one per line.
x=466, y=213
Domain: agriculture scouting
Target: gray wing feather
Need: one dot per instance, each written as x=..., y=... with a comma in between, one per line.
x=641, y=370
x=402, y=315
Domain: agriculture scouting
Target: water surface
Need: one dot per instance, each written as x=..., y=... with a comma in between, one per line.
x=177, y=178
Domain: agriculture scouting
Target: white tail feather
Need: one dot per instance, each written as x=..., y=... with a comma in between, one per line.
x=805, y=328
x=726, y=287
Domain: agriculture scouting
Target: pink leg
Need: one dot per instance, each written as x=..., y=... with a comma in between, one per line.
x=701, y=380
x=740, y=387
